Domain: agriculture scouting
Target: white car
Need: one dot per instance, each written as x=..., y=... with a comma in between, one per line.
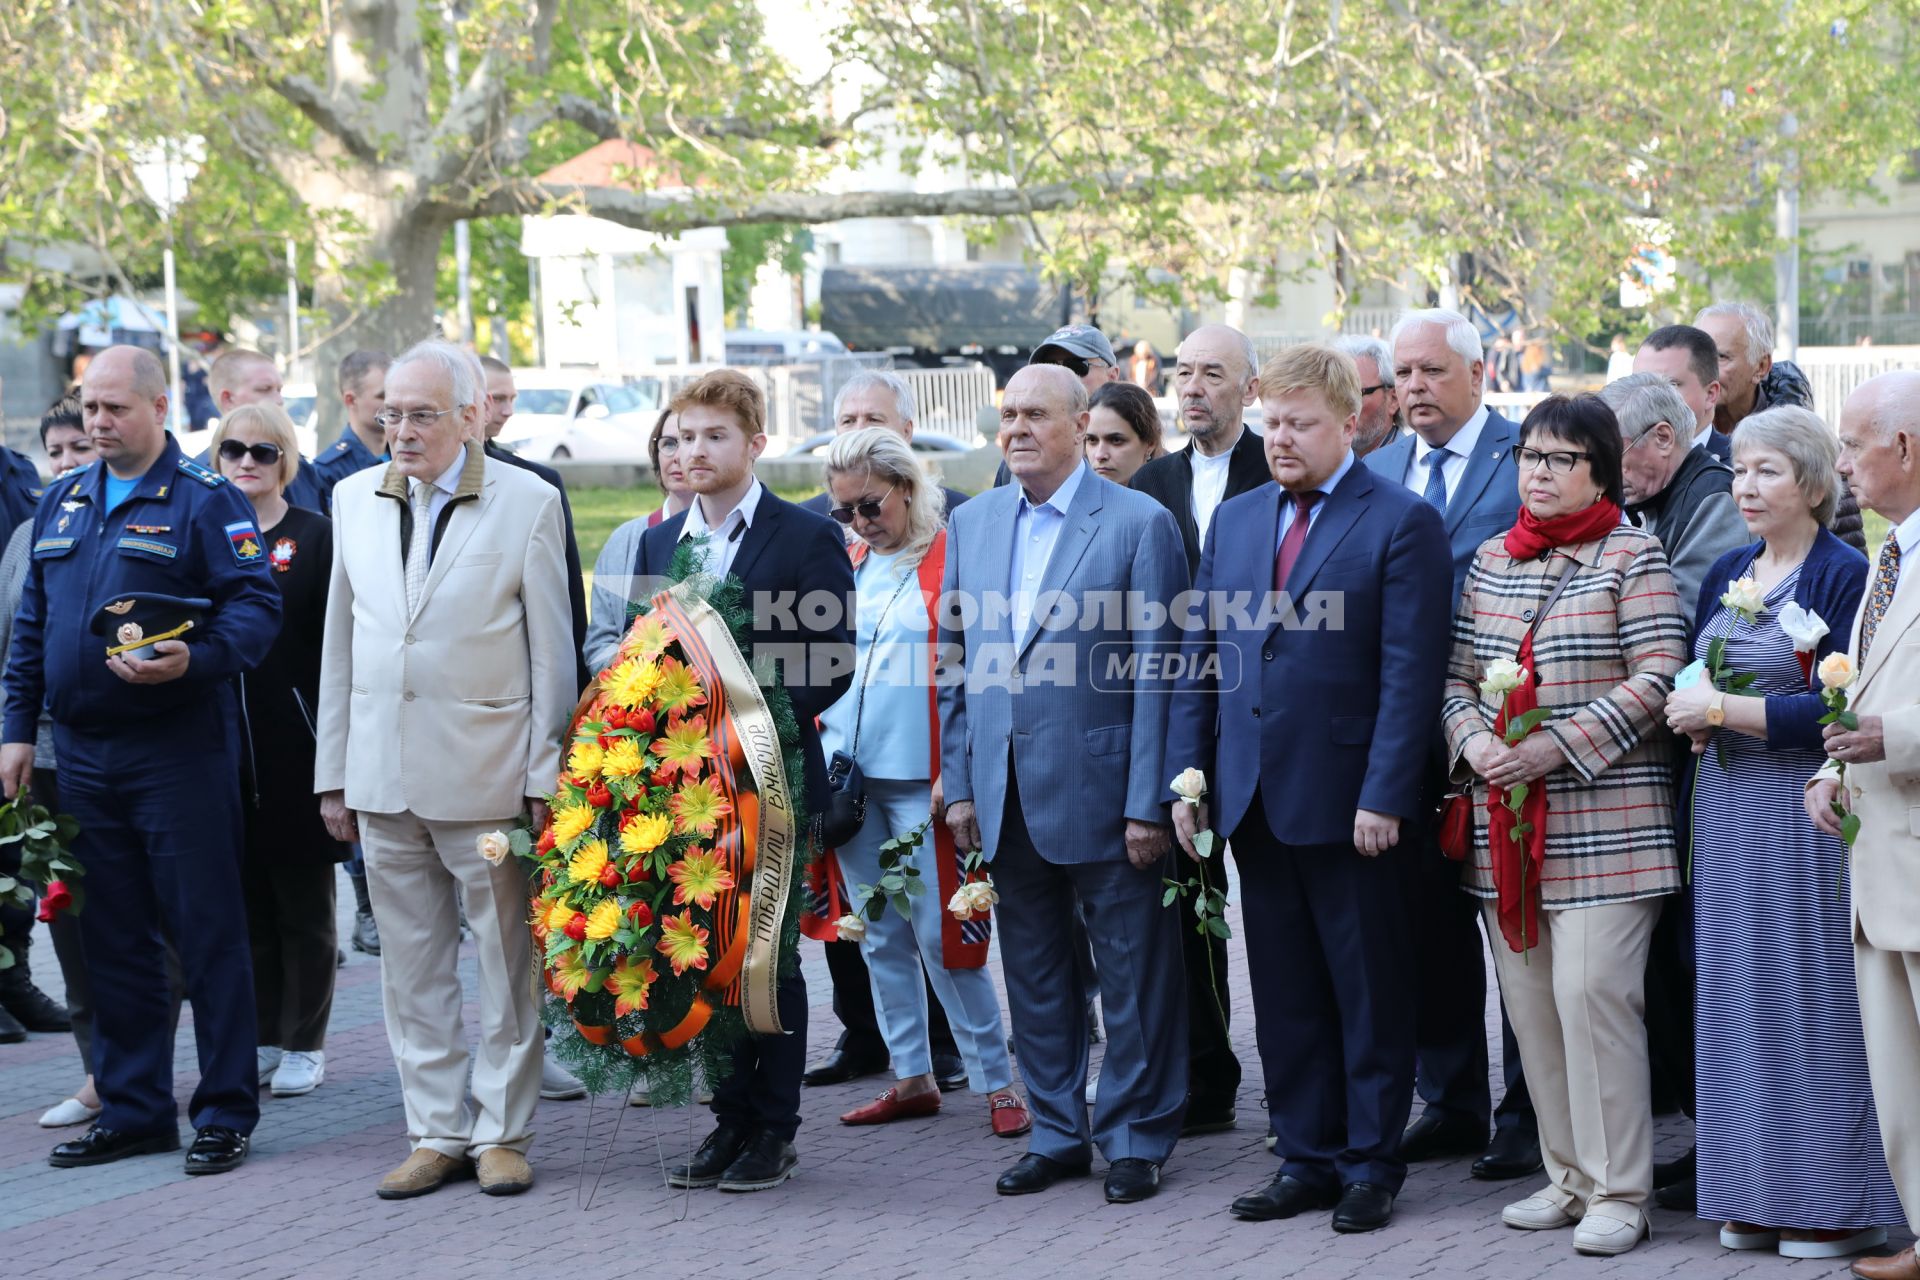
x=560, y=416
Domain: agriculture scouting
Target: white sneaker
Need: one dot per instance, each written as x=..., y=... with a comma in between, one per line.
x=1537, y=1213
x=266, y=1061
x=71, y=1112
x=556, y=1085
x=299, y=1073
x=1599, y=1234
x=1845, y=1246
x=1765, y=1238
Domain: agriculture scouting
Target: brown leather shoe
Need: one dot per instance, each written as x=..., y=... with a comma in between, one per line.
x=504, y=1172
x=1901, y=1266
x=424, y=1171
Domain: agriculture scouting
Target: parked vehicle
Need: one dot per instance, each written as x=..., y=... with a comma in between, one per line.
x=560, y=415
x=781, y=346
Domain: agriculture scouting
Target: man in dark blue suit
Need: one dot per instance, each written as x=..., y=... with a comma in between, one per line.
x=1459, y=457
x=799, y=587
x=1312, y=723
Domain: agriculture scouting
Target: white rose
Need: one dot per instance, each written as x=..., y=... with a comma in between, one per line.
x=982, y=894
x=852, y=928
x=1190, y=786
x=960, y=905
x=1504, y=675
x=1745, y=598
x=1803, y=626
x=494, y=847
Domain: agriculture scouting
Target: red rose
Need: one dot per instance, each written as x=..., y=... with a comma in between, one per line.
x=641, y=720
x=615, y=718
x=577, y=928
x=638, y=872
x=605, y=740
x=56, y=899
x=609, y=876
x=641, y=915
x=599, y=796
x=663, y=777
x=546, y=842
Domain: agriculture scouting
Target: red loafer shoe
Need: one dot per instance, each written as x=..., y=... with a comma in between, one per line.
x=1009, y=1117
x=890, y=1106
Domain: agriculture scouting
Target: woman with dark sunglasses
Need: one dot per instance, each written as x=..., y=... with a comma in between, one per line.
x=288, y=857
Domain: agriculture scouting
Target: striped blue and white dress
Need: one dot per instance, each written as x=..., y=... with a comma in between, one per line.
x=1785, y=1119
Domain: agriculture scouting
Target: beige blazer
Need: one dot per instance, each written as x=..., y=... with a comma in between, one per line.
x=454, y=714
x=1886, y=794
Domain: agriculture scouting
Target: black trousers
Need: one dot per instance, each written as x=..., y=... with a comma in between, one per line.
x=1670, y=974
x=290, y=931
x=763, y=1090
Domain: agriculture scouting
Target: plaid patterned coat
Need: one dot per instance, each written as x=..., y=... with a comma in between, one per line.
x=1607, y=655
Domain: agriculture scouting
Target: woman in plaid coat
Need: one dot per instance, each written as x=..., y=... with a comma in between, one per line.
x=1574, y=843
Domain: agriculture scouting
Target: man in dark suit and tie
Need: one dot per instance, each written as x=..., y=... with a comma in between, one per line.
x=790, y=562
x=1215, y=378
x=1313, y=723
x=1459, y=457
x=1051, y=737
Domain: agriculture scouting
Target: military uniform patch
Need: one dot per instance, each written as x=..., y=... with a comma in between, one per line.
x=201, y=474
x=244, y=541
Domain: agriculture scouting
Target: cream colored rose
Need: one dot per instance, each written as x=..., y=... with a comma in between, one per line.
x=982, y=894
x=494, y=847
x=851, y=928
x=1504, y=675
x=1745, y=598
x=1190, y=786
x=960, y=905
x=1837, y=671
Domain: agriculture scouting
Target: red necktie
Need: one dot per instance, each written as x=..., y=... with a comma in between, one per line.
x=1295, y=539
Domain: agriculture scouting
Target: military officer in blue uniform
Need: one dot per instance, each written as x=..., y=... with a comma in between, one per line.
x=362, y=443
x=19, y=490
x=149, y=757
x=240, y=375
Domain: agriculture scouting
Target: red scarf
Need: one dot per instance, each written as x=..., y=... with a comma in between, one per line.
x=1517, y=871
x=1531, y=535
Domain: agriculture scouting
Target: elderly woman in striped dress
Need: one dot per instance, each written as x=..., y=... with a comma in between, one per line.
x=1574, y=844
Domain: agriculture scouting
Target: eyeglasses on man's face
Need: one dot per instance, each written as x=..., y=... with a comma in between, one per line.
x=419, y=419
x=1559, y=461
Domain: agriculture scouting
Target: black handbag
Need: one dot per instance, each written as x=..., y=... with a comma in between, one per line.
x=846, y=785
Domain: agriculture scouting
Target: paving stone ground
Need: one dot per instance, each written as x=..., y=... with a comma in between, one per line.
x=907, y=1200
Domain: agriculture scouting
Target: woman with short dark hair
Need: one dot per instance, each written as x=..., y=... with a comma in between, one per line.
x=1123, y=431
x=1573, y=613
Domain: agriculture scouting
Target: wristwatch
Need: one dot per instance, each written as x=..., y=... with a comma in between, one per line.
x=1717, y=709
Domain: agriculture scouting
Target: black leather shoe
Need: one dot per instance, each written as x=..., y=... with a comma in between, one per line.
x=1676, y=1195
x=11, y=1032
x=1284, y=1197
x=1131, y=1180
x=1668, y=1172
x=1036, y=1172
x=217, y=1149
x=949, y=1072
x=1438, y=1136
x=1205, y=1117
x=764, y=1164
x=33, y=1008
x=845, y=1065
x=722, y=1147
x=1513, y=1153
x=103, y=1146
x=1363, y=1207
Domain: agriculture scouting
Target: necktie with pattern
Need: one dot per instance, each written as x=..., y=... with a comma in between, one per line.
x=1886, y=576
x=420, y=547
x=1436, y=490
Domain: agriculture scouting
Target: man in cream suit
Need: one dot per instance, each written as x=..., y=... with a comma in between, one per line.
x=1880, y=458
x=445, y=686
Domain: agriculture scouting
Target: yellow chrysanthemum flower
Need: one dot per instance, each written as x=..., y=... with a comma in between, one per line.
x=603, y=920
x=630, y=683
x=624, y=759
x=570, y=821
x=583, y=762
x=558, y=914
x=588, y=861
x=645, y=832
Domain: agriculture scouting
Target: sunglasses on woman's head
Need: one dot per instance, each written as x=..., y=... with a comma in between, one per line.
x=264, y=454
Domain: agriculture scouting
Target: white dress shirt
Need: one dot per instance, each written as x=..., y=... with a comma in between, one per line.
x=1209, y=485
x=445, y=485
x=717, y=553
x=1459, y=453
x=1036, y=528
x=1907, y=535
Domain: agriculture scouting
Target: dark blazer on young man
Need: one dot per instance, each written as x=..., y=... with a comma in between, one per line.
x=576, y=582
x=1168, y=479
x=1312, y=711
x=1213, y=1070
x=786, y=556
x=1451, y=982
x=1055, y=735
